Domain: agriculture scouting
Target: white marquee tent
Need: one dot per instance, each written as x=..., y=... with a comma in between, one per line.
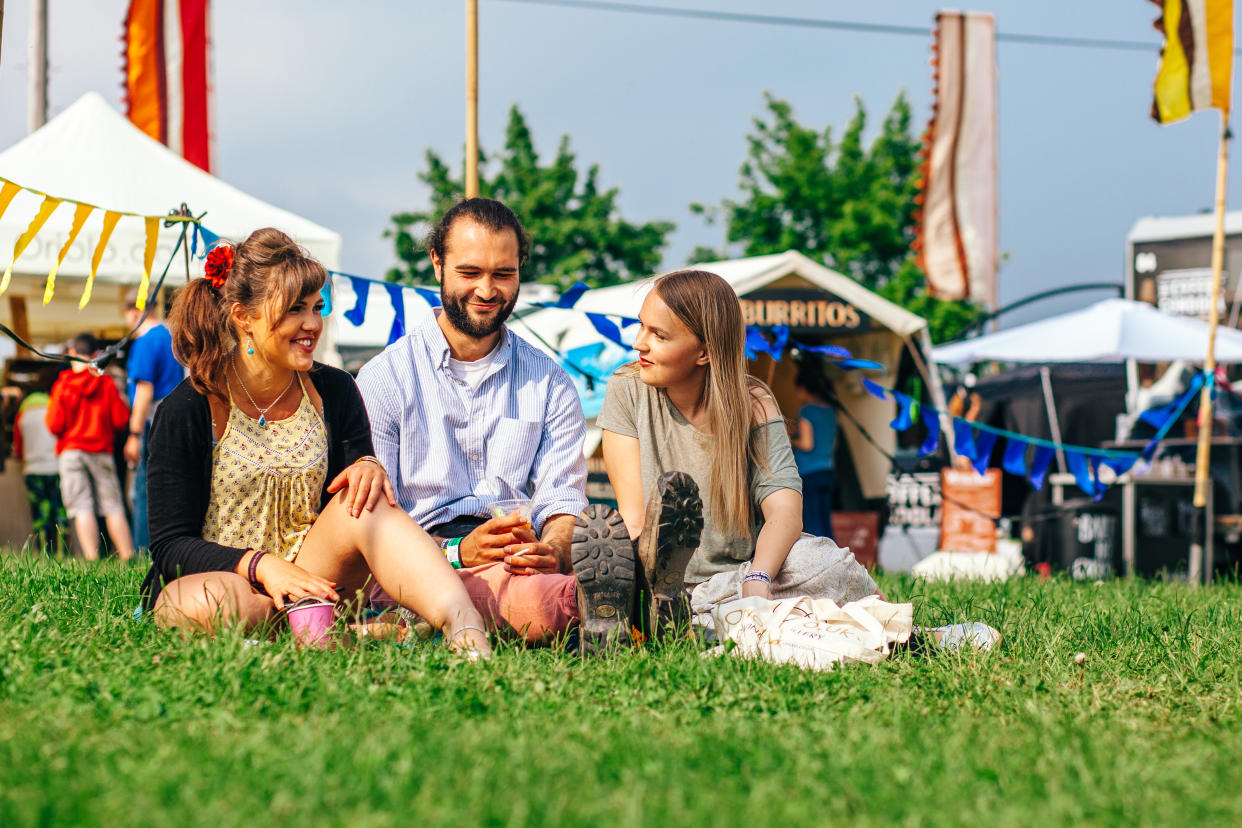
x=91, y=153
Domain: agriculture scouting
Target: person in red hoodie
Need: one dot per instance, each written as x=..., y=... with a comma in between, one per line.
x=84, y=412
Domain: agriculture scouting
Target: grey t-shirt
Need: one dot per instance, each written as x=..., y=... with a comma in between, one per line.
x=668, y=442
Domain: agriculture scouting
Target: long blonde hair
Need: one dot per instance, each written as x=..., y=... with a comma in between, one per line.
x=708, y=306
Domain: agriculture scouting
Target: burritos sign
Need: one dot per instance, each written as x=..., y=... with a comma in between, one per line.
x=803, y=310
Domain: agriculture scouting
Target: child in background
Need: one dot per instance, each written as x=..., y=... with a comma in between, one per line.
x=35, y=446
x=84, y=413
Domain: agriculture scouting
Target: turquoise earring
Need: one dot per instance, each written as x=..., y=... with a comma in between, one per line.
x=249, y=345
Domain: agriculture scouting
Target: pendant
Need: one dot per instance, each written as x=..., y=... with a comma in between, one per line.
x=262, y=420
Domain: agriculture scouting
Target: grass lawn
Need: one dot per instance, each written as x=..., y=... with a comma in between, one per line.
x=105, y=721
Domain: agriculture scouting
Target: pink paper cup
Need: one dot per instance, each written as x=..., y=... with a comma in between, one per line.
x=311, y=623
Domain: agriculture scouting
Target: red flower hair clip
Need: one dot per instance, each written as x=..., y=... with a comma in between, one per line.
x=219, y=263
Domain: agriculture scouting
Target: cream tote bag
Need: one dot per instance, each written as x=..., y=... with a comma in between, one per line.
x=813, y=633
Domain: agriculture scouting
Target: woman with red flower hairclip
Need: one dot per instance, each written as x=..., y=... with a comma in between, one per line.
x=262, y=485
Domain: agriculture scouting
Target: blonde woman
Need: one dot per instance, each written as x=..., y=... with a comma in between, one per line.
x=688, y=405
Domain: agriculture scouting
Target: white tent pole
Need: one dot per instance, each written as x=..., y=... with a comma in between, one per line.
x=1054, y=422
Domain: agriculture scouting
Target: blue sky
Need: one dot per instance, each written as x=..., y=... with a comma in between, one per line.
x=326, y=108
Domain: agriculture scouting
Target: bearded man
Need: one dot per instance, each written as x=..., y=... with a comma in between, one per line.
x=464, y=413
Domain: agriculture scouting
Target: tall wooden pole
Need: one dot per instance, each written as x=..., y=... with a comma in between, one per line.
x=472, y=98
x=1203, y=457
x=36, y=112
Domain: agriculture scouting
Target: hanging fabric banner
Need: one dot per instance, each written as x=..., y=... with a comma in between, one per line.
x=167, y=89
x=80, y=213
x=45, y=209
x=1196, y=63
x=109, y=224
x=956, y=240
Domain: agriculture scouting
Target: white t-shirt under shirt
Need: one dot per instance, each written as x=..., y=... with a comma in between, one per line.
x=473, y=373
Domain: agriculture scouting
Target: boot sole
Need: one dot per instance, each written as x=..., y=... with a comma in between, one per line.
x=604, y=564
x=674, y=522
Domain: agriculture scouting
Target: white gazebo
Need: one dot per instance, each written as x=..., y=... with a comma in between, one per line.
x=91, y=153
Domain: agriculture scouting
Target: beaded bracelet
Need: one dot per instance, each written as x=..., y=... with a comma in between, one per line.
x=253, y=568
x=758, y=575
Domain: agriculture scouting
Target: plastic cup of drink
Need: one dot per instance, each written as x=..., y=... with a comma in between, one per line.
x=521, y=505
x=311, y=623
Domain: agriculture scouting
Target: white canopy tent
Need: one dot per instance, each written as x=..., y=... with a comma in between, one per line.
x=888, y=329
x=93, y=154
x=1112, y=330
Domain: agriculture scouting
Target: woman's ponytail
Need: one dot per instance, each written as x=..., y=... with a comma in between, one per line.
x=201, y=338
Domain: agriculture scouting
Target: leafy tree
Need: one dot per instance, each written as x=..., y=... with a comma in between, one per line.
x=848, y=206
x=575, y=227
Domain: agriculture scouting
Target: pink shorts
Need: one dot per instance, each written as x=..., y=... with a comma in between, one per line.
x=533, y=607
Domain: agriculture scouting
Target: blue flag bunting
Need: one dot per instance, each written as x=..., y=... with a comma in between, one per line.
x=963, y=439
x=984, y=441
x=931, y=419
x=903, y=419
x=398, y=312
x=362, y=289
x=431, y=297
x=1039, y=465
x=1014, y=460
x=570, y=297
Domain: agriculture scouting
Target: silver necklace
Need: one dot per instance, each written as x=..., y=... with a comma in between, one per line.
x=262, y=411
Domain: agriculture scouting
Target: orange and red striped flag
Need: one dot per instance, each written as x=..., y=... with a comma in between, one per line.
x=167, y=89
x=1196, y=64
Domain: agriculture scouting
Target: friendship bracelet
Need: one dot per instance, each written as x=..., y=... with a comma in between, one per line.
x=758, y=575
x=451, y=547
x=253, y=568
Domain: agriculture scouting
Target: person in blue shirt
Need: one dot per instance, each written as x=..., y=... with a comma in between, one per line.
x=152, y=373
x=814, y=441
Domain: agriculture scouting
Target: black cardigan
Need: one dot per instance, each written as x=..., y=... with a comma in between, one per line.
x=179, y=474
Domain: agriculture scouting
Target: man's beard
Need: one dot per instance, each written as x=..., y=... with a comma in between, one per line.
x=459, y=316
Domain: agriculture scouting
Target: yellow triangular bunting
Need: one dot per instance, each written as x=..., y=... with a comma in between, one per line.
x=6, y=195
x=80, y=212
x=109, y=224
x=148, y=259
x=45, y=209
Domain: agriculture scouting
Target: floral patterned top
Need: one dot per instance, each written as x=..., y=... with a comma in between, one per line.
x=266, y=480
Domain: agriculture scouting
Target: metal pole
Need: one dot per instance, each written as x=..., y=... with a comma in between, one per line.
x=1054, y=422
x=472, y=98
